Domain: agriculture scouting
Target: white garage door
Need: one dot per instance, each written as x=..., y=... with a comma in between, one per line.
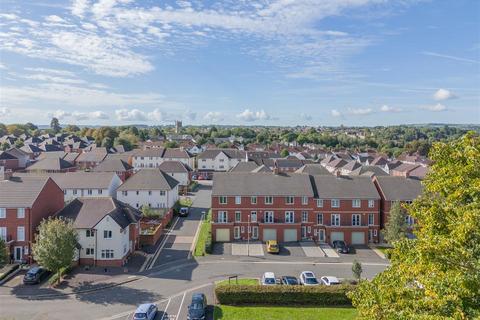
x=336, y=236
x=269, y=234
x=290, y=235
x=222, y=235
x=358, y=237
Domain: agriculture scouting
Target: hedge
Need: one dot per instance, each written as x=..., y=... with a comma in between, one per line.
x=284, y=295
x=204, y=240
x=57, y=276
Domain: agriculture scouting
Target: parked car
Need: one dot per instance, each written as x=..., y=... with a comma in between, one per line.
x=329, y=281
x=268, y=278
x=289, y=281
x=341, y=246
x=272, y=246
x=183, y=212
x=35, y=275
x=146, y=311
x=307, y=278
x=197, y=310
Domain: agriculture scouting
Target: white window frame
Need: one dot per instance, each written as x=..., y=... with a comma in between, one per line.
x=89, y=233
x=239, y=214
x=335, y=220
x=269, y=198
x=3, y=213
x=289, y=217
x=335, y=203
x=3, y=233
x=253, y=200
x=319, y=203
x=356, y=203
x=222, y=199
x=371, y=221
x=289, y=200
x=238, y=200
x=107, y=254
x=20, y=213
x=304, y=200
x=253, y=213
x=21, y=231
x=304, y=216
x=318, y=220
x=89, y=251
x=356, y=219
x=222, y=217
x=371, y=203
x=107, y=234
x=269, y=214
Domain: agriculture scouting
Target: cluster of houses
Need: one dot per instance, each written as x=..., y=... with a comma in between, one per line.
x=257, y=194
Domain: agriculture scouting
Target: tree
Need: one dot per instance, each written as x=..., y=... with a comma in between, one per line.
x=357, y=269
x=171, y=144
x=436, y=275
x=55, y=244
x=396, y=227
x=284, y=153
x=55, y=125
x=5, y=146
x=148, y=212
x=3, y=253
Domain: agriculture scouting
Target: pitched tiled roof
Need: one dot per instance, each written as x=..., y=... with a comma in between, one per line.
x=313, y=169
x=112, y=165
x=83, y=180
x=149, y=179
x=379, y=161
x=337, y=163
x=230, y=153
x=261, y=184
x=399, y=188
x=244, y=166
x=21, y=191
x=96, y=155
x=352, y=165
x=153, y=152
x=50, y=163
x=174, y=166
x=176, y=153
x=368, y=170
x=86, y=213
x=345, y=187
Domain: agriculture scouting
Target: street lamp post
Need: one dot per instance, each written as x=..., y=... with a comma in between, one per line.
x=248, y=235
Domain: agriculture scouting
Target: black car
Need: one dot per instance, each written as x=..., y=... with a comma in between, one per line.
x=35, y=275
x=197, y=310
x=289, y=281
x=341, y=246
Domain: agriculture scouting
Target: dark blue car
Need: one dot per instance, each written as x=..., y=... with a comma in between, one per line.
x=197, y=310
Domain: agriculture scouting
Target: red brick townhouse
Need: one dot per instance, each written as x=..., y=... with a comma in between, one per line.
x=291, y=207
x=24, y=202
x=392, y=189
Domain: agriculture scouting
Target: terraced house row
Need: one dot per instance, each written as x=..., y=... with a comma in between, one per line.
x=296, y=206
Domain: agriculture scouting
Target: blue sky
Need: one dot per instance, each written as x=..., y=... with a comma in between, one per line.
x=258, y=62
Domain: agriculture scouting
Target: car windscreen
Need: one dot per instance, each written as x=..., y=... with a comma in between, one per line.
x=311, y=281
x=269, y=280
x=140, y=316
x=292, y=281
x=196, y=306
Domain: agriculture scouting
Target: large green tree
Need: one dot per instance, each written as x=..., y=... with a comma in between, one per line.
x=396, y=227
x=437, y=275
x=3, y=253
x=55, y=125
x=55, y=244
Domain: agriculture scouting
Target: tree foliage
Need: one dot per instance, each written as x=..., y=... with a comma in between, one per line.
x=55, y=125
x=357, y=269
x=396, y=227
x=3, y=253
x=55, y=244
x=437, y=275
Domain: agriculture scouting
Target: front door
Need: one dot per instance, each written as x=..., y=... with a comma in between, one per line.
x=18, y=253
x=370, y=235
x=254, y=232
x=304, y=232
x=236, y=233
x=321, y=235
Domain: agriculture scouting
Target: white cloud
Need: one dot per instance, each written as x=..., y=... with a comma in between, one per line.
x=250, y=116
x=360, y=111
x=189, y=115
x=443, y=94
x=213, y=116
x=335, y=113
x=386, y=108
x=54, y=19
x=4, y=112
x=79, y=7
x=435, y=108
x=59, y=114
x=157, y=115
x=131, y=115
x=77, y=116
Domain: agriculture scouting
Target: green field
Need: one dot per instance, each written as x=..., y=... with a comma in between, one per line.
x=282, y=313
x=245, y=282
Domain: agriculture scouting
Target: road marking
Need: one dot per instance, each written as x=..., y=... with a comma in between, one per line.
x=161, y=246
x=293, y=262
x=195, y=238
x=181, y=304
x=166, y=308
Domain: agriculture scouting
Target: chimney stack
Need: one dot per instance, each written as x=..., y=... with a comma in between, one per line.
x=337, y=173
x=5, y=174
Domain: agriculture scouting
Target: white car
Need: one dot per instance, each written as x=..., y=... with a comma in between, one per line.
x=329, y=281
x=268, y=279
x=307, y=278
x=146, y=311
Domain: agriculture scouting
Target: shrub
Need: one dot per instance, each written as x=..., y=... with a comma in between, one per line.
x=284, y=295
x=204, y=241
x=57, y=277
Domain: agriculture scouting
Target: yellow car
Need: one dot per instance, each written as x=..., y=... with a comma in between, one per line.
x=272, y=246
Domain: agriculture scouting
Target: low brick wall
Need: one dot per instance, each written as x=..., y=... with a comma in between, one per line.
x=158, y=225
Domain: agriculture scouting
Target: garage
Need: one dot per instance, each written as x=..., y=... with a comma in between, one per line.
x=334, y=236
x=358, y=237
x=290, y=235
x=269, y=234
x=222, y=235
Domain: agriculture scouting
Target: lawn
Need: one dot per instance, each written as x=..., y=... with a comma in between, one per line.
x=384, y=250
x=245, y=282
x=282, y=313
x=204, y=239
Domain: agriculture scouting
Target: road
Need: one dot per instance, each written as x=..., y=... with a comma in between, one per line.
x=170, y=281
